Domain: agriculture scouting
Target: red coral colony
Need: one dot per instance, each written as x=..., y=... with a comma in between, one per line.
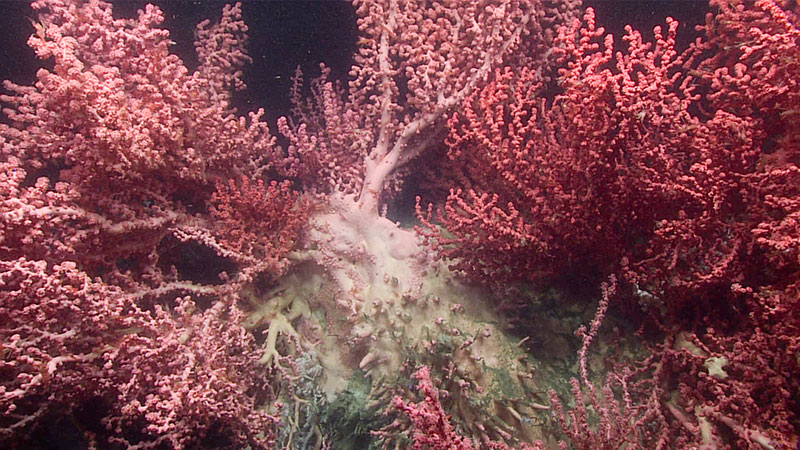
x=605, y=253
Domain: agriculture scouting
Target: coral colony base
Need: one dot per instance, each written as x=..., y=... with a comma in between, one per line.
x=174, y=275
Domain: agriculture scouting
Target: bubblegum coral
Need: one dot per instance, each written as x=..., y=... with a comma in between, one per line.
x=135, y=136
x=103, y=162
x=204, y=280
x=630, y=169
x=432, y=427
x=118, y=164
x=415, y=65
x=70, y=342
x=572, y=182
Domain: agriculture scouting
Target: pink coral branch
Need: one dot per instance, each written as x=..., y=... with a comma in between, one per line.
x=432, y=425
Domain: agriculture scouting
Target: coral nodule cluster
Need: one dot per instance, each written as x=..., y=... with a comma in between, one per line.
x=604, y=252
